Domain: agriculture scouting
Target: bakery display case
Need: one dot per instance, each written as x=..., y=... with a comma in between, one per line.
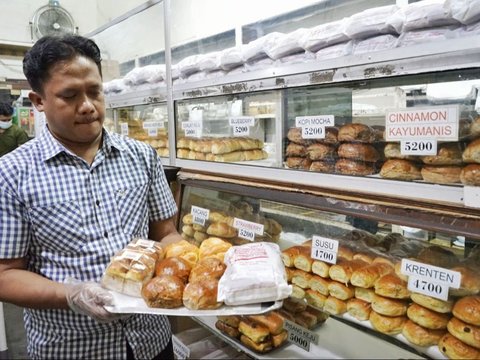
x=380, y=284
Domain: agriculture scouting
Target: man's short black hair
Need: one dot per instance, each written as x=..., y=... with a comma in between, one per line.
x=6, y=109
x=50, y=50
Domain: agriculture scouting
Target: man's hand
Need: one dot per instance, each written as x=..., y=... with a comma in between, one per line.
x=90, y=299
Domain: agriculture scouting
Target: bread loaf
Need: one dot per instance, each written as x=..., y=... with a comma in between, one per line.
x=207, y=268
x=231, y=320
x=213, y=247
x=260, y=347
x=256, y=332
x=279, y=339
x=306, y=319
x=174, y=266
x=184, y=250
x=294, y=305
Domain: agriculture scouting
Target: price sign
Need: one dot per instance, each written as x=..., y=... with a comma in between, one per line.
x=241, y=130
x=181, y=351
x=247, y=229
x=153, y=132
x=241, y=125
x=320, y=120
x=418, y=147
x=324, y=249
x=200, y=215
x=300, y=336
x=428, y=287
x=124, y=129
x=153, y=125
x=246, y=234
x=313, y=132
x=192, y=128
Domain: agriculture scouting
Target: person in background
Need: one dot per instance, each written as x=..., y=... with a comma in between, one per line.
x=69, y=200
x=11, y=136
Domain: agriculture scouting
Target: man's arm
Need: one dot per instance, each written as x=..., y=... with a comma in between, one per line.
x=24, y=288
x=164, y=231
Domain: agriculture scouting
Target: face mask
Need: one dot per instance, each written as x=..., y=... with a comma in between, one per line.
x=5, y=124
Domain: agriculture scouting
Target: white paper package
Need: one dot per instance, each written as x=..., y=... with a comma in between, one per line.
x=255, y=273
x=465, y=11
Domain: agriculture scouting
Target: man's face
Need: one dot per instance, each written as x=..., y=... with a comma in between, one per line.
x=73, y=102
x=5, y=118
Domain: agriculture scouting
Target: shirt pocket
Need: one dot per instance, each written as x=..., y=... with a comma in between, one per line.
x=59, y=226
x=132, y=209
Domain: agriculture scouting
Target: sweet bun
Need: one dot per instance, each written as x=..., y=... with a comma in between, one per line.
x=470, y=175
x=345, y=253
x=392, y=151
x=357, y=133
x=253, y=330
x=164, y=291
x=365, y=294
x=353, y=167
x=467, y=309
x=272, y=321
x=294, y=305
x=355, y=151
x=201, y=295
x=288, y=255
x=260, y=347
x=453, y=348
x=427, y=318
x=421, y=336
x=314, y=298
x=390, y=325
x=149, y=247
x=321, y=268
x=475, y=127
x=188, y=230
x=297, y=292
x=359, y=309
x=207, y=268
x=447, y=154
x=303, y=260
x=301, y=278
x=469, y=334
x=365, y=257
x=432, y=303
x=173, y=266
x=279, y=339
x=335, y=306
x=320, y=151
x=319, y=284
x=472, y=152
x=295, y=150
x=323, y=166
x=231, y=320
x=390, y=285
x=441, y=174
x=227, y=329
x=388, y=307
x=367, y=275
x=343, y=270
x=213, y=247
x=295, y=135
x=221, y=229
x=401, y=170
x=470, y=282
x=184, y=250
x=340, y=291
x=296, y=162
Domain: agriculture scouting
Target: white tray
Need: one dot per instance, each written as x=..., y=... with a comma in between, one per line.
x=125, y=304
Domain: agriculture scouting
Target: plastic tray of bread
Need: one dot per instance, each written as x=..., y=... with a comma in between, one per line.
x=185, y=280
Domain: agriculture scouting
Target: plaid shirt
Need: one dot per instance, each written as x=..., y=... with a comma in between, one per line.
x=68, y=218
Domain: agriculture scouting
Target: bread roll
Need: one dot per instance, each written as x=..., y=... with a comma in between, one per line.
x=297, y=292
x=335, y=306
x=400, y=170
x=279, y=339
x=174, y=266
x=470, y=175
x=432, y=303
x=472, y=152
x=344, y=253
x=295, y=135
x=213, y=247
x=315, y=298
x=296, y=150
x=447, y=154
x=187, y=219
x=343, y=270
x=421, y=336
x=321, y=268
x=323, y=166
x=453, y=348
x=467, y=309
x=303, y=260
x=231, y=320
x=222, y=230
x=301, y=278
x=364, y=294
x=359, y=309
x=320, y=151
x=392, y=151
x=388, y=307
x=384, y=260
x=427, y=318
x=201, y=295
x=367, y=275
x=227, y=329
x=294, y=305
x=255, y=331
x=182, y=153
x=475, y=127
x=188, y=229
x=199, y=236
x=353, y=167
x=272, y=321
x=340, y=291
x=319, y=284
x=362, y=152
x=441, y=174
x=306, y=319
x=365, y=257
x=260, y=347
x=470, y=282
x=469, y=334
x=390, y=285
x=288, y=255
x=357, y=133
x=184, y=250
x=285, y=315
x=390, y=325
x=295, y=162
x=164, y=291
x=289, y=272
x=207, y=268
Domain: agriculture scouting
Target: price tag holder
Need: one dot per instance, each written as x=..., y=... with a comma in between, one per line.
x=418, y=147
x=199, y=214
x=124, y=129
x=428, y=287
x=181, y=351
x=300, y=336
x=313, y=127
x=247, y=229
x=324, y=249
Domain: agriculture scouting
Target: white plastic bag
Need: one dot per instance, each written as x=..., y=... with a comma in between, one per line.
x=425, y=35
x=209, y=62
x=255, y=273
x=370, y=22
x=189, y=65
x=254, y=50
x=231, y=58
x=146, y=74
x=376, y=43
x=324, y=35
x=465, y=11
x=284, y=45
x=335, y=51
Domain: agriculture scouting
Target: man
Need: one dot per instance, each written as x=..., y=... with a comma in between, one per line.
x=69, y=200
x=11, y=136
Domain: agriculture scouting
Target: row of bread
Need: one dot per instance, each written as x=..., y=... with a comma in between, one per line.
x=220, y=224
x=266, y=332
x=373, y=289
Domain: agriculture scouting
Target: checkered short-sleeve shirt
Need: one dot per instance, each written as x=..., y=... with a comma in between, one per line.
x=68, y=218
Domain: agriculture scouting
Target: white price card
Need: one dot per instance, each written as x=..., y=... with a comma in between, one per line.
x=428, y=287
x=153, y=125
x=153, y=132
x=241, y=125
x=241, y=130
x=192, y=128
x=247, y=229
x=418, y=147
x=324, y=249
x=199, y=214
x=320, y=120
x=313, y=132
x=124, y=129
x=299, y=335
x=181, y=351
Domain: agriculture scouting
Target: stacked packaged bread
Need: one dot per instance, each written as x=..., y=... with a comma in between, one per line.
x=224, y=149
